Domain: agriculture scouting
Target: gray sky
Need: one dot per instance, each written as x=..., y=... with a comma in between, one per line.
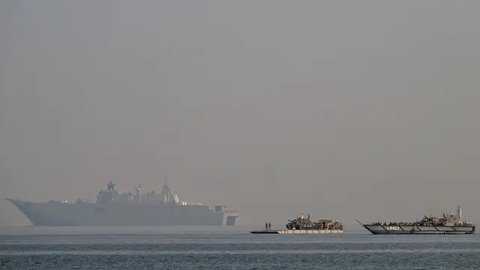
x=344, y=109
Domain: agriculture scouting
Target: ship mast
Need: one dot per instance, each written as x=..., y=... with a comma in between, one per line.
x=138, y=189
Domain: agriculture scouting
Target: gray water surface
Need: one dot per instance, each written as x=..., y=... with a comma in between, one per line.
x=228, y=248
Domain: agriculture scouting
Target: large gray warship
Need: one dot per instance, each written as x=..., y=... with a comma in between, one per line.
x=449, y=223
x=114, y=208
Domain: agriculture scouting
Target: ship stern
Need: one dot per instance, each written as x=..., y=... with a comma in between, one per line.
x=230, y=220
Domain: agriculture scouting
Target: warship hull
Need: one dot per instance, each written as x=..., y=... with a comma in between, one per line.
x=401, y=229
x=92, y=214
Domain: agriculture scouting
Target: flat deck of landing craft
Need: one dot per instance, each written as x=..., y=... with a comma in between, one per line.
x=265, y=232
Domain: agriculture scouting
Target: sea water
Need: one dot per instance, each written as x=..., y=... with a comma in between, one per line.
x=228, y=248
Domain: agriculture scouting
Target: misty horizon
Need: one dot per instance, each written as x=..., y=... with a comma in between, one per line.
x=345, y=110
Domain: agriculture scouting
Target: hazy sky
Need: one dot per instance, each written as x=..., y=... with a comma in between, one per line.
x=342, y=109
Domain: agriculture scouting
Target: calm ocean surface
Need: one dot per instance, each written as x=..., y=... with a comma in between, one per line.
x=227, y=248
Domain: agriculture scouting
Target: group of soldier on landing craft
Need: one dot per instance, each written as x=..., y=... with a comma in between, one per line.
x=303, y=223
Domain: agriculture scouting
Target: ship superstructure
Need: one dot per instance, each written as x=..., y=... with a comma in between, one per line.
x=449, y=223
x=112, y=196
x=115, y=208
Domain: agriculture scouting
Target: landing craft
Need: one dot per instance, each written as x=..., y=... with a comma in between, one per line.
x=449, y=223
x=303, y=225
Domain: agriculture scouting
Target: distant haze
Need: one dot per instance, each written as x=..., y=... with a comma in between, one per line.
x=341, y=109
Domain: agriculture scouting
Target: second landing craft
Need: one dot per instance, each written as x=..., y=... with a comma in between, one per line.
x=449, y=223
